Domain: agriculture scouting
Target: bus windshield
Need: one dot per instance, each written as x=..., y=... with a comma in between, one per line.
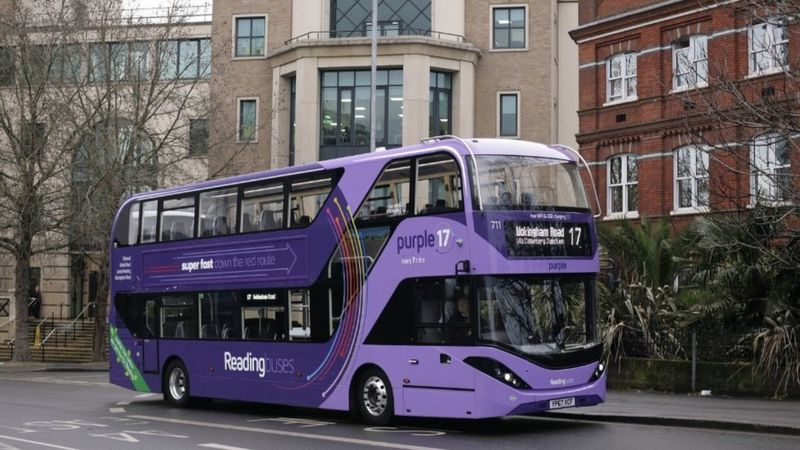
x=529, y=183
x=537, y=315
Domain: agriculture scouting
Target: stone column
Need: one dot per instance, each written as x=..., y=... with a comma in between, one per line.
x=416, y=84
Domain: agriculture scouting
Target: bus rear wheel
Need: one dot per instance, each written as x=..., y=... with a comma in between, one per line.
x=374, y=397
x=176, y=384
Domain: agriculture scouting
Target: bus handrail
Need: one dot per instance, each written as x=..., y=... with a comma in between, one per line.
x=588, y=170
x=471, y=154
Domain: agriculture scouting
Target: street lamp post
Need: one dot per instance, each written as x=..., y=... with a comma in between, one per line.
x=374, y=70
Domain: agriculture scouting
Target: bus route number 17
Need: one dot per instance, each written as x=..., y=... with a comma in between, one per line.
x=444, y=238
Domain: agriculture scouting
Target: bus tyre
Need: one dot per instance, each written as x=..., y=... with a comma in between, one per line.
x=176, y=384
x=374, y=397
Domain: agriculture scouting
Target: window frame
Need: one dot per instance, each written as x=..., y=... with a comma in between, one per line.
x=691, y=61
x=625, y=184
x=235, y=29
x=526, y=32
x=204, y=152
x=770, y=27
x=500, y=95
x=769, y=141
x=239, y=101
x=623, y=77
x=694, y=176
x=434, y=105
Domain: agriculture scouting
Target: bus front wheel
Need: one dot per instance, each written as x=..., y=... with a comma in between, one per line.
x=176, y=386
x=374, y=397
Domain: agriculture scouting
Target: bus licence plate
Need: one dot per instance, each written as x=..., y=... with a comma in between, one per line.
x=562, y=403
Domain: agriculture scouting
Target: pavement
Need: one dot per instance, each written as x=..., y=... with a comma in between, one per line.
x=758, y=415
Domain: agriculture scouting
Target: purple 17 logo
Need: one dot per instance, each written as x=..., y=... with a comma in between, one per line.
x=444, y=238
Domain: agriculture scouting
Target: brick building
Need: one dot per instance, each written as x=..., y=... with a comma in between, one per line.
x=680, y=104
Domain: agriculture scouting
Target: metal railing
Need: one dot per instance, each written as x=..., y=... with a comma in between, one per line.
x=340, y=34
x=85, y=314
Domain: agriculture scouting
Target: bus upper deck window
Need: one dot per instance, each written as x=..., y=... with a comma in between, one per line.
x=177, y=218
x=438, y=185
x=218, y=212
x=308, y=196
x=148, y=231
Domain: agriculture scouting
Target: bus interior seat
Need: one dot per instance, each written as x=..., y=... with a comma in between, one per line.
x=221, y=226
x=304, y=220
x=247, y=223
x=177, y=231
x=267, y=221
x=430, y=313
x=206, y=227
x=226, y=332
x=179, y=332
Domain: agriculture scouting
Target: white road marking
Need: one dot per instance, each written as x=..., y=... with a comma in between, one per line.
x=116, y=410
x=43, y=444
x=301, y=423
x=123, y=403
x=144, y=395
x=221, y=447
x=296, y=434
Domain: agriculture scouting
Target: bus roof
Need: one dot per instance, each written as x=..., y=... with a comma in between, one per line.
x=477, y=147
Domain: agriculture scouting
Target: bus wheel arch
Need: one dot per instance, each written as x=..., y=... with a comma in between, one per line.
x=175, y=384
x=371, y=395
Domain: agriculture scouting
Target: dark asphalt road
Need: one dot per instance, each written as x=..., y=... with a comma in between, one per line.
x=40, y=410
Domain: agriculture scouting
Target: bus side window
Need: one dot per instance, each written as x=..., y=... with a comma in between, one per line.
x=177, y=218
x=307, y=198
x=218, y=212
x=438, y=189
x=300, y=317
x=219, y=315
x=178, y=317
x=264, y=323
x=149, y=211
x=390, y=195
x=262, y=207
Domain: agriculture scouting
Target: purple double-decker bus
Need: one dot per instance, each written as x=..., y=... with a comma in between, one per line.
x=455, y=278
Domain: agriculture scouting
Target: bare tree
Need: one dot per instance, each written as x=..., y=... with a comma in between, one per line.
x=745, y=115
x=95, y=103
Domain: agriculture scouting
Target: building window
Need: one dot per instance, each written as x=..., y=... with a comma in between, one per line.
x=621, y=77
x=7, y=67
x=67, y=64
x=346, y=111
x=441, y=101
x=396, y=17
x=768, y=45
x=119, y=61
x=247, y=120
x=250, y=36
x=198, y=137
x=508, y=28
x=623, y=193
x=691, y=178
x=771, y=178
x=508, y=120
x=690, y=62
x=185, y=59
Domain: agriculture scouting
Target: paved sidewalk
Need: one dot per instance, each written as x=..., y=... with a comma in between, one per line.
x=33, y=366
x=731, y=413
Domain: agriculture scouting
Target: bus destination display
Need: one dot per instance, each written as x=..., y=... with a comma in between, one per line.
x=528, y=239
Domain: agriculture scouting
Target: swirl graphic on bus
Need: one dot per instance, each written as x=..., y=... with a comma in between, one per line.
x=354, y=272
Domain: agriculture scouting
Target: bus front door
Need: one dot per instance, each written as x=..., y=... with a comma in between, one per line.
x=150, y=343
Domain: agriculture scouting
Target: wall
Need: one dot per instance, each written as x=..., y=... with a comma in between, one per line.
x=676, y=376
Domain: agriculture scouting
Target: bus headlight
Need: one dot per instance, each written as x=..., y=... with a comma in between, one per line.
x=497, y=370
x=598, y=372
